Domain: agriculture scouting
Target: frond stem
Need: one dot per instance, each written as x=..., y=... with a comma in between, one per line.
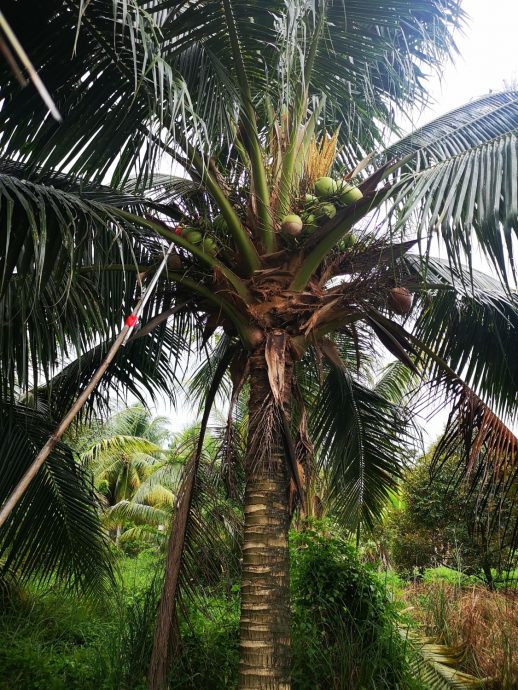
x=232, y=278
x=260, y=182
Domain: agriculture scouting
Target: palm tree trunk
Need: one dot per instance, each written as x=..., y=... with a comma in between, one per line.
x=265, y=605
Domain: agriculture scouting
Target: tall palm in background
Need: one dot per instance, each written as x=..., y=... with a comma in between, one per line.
x=122, y=452
x=204, y=124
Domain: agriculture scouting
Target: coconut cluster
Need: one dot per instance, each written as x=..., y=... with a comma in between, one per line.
x=321, y=206
x=196, y=237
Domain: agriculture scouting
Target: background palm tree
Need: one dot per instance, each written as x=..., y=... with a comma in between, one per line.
x=122, y=452
x=254, y=102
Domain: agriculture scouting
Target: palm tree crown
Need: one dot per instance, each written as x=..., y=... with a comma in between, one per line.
x=300, y=241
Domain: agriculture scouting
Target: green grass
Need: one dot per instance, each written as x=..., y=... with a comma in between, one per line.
x=51, y=641
x=460, y=579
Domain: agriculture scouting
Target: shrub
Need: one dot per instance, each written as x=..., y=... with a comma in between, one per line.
x=210, y=646
x=344, y=626
x=424, y=534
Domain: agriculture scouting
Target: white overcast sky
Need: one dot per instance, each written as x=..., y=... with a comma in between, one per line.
x=488, y=60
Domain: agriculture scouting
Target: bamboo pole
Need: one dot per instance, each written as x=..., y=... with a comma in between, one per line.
x=47, y=449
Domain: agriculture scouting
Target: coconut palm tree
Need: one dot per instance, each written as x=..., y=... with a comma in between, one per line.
x=213, y=549
x=252, y=136
x=122, y=452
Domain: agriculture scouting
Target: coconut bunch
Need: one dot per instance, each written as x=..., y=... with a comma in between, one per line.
x=329, y=195
x=198, y=235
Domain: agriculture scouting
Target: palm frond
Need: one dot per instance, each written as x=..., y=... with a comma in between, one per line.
x=68, y=277
x=109, y=77
x=54, y=531
x=485, y=448
x=119, y=445
x=202, y=378
x=437, y=664
x=137, y=513
x=363, y=447
x=145, y=367
x=377, y=54
x=470, y=322
x=135, y=73
x=461, y=180
x=395, y=382
x=143, y=534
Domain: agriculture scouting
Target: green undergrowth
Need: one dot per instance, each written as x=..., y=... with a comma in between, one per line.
x=53, y=640
x=344, y=630
x=49, y=641
x=345, y=626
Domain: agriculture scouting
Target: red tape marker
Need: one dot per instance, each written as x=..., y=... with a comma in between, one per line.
x=131, y=320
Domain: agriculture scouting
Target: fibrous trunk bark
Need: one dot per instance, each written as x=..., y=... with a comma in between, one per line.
x=265, y=604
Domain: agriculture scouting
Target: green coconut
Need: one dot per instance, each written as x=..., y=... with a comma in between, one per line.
x=349, y=195
x=220, y=224
x=310, y=199
x=193, y=236
x=348, y=241
x=209, y=246
x=309, y=218
x=325, y=187
x=292, y=224
x=326, y=211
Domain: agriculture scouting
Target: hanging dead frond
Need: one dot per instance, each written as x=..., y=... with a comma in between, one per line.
x=164, y=630
x=486, y=451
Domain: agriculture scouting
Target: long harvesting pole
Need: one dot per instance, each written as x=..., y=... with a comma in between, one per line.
x=47, y=449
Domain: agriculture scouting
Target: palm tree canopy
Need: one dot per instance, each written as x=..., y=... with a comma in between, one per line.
x=249, y=104
x=127, y=72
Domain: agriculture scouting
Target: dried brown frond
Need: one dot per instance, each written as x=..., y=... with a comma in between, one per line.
x=489, y=447
x=484, y=623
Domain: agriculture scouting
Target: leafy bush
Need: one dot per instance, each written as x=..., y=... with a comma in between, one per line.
x=424, y=534
x=344, y=626
x=210, y=646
